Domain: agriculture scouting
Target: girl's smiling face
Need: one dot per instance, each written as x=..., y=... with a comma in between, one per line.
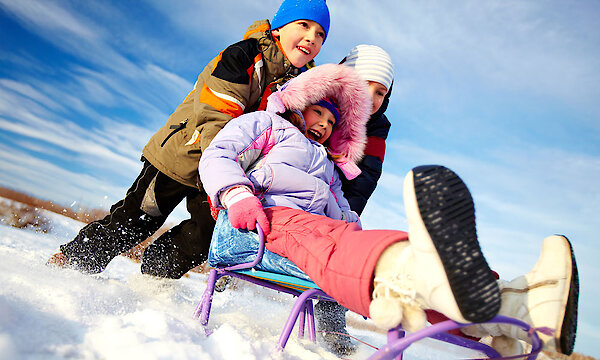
x=319, y=123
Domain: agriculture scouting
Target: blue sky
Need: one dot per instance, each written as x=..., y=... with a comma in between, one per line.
x=506, y=93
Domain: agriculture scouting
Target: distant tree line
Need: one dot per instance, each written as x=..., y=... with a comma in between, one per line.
x=85, y=215
x=24, y=213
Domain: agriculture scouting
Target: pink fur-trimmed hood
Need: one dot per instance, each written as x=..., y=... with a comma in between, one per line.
x=351, y=94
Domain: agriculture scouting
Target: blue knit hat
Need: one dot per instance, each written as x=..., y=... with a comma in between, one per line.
x=330, y=105
x=292, y=10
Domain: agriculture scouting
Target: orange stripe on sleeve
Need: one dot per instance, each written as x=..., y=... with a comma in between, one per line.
x=279, y=46
x=261, y=28
x=250, y=70
x=222, y=105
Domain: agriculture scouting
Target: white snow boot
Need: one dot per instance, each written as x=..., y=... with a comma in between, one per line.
x=394, y=295
x=547, y=296
x=441, y=267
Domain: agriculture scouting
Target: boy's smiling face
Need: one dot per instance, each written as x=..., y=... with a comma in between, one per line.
x=300, y=40
x=319, y=123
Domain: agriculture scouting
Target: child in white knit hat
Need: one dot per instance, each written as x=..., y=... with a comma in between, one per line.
x=375, y=66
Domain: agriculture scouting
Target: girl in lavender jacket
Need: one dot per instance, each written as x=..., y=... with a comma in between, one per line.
x=284, y=157
x=277, y=157
x=278, y=171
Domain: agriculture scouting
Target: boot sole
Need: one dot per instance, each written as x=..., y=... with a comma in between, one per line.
x=568, y=331
x=447, y=211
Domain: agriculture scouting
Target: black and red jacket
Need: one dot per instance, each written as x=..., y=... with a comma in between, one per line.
x=359, y=190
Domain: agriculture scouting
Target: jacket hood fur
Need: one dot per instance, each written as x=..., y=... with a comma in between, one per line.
x=350, y=92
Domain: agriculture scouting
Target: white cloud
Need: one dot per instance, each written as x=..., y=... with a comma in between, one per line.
x=50, y=17
x=456, y=49
x=543, y=185
x=70, y=31
x=148, y=94
x=48, y=181
x=521, y=195
x=76, y=142
x=165, y=79
x=22, y=116
x=29, y=92
x=95, y=92
x=225, y=19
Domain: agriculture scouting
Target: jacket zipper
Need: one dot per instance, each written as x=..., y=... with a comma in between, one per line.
x=175, y=128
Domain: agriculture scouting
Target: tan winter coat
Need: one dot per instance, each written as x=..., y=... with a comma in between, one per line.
x=233, y=83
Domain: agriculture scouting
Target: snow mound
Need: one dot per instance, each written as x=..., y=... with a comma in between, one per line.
x=51, y=313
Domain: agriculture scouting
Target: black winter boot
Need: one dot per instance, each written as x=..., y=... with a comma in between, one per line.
x=331, y=327
x=163, y=259
x=97, y=244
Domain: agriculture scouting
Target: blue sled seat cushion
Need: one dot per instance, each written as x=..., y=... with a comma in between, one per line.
x=230, y=246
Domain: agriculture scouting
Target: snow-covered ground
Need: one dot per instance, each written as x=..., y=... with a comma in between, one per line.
x=50, y=313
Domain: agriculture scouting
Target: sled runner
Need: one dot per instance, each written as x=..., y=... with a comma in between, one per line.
x=306, y=291
x=302, y=311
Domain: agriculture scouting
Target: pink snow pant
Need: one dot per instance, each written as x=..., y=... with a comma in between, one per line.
x=339, y=257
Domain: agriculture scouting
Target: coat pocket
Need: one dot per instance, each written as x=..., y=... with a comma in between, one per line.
x=175, y=129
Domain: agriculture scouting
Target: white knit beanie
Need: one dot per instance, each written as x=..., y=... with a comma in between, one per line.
x=372, y=63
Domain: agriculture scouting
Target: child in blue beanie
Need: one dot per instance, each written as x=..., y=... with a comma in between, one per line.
x=235, y=82
x=301, y=27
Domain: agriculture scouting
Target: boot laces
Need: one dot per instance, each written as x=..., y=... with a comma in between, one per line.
x=399, y=287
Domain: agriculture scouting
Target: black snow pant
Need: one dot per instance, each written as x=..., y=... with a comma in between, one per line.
x=148, y=203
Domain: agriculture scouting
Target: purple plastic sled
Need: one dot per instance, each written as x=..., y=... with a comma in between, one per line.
x=307, y=291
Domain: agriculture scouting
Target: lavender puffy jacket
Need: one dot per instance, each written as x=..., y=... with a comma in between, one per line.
x=271, y=156
x=264, y=151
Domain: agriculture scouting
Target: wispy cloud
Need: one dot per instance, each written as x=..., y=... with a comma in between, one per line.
x=39, y=177
x=508, y=44
x=22, y=115
x=68, y=31
x=541, y=184
x=76, y=34
x=28, y=92
x=226, y=19
x=49, y=17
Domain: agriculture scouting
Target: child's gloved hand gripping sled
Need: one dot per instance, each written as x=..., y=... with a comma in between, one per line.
x=245, y=210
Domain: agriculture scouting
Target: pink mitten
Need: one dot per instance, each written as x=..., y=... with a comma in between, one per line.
x=244, y=214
